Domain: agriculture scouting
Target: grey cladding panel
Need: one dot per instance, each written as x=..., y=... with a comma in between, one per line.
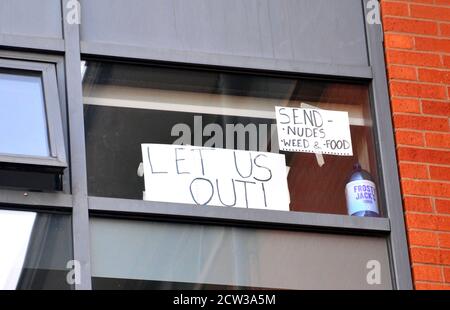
x=125, y=249
x=35, y=18
x=320, y=31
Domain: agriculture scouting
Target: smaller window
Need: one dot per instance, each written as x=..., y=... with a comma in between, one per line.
x=32, y=153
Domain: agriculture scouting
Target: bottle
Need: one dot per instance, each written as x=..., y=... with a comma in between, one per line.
x=361, y=194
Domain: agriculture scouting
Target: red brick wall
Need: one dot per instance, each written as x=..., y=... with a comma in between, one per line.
x=417, y=46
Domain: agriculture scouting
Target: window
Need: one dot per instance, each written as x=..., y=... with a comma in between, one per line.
x=129, y=254
x=32, y=152
x=128, y=105
x=37, y=256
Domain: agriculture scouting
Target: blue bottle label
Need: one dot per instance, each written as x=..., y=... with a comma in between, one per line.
x=361, y=196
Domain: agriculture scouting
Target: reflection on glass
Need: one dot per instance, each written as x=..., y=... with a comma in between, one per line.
x=15, y=232
x=35, y=249
x=127, y=105
x=23, y=125
x=128, y=254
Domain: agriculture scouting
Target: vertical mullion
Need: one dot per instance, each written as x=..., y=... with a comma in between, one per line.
x=60, y=75
x=398, y=246
x=80, y=215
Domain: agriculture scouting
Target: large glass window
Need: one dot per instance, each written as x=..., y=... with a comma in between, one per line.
x=129, y=105
x=39, y=251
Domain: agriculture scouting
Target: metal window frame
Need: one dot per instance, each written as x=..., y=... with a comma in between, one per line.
x=258, y=218
x=57, y=156
x=387, y=160
x=75, y=115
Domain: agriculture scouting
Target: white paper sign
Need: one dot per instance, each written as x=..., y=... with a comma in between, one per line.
x=215, y=177
x=314, y=131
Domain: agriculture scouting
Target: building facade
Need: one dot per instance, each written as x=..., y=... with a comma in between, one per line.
x=289, y=144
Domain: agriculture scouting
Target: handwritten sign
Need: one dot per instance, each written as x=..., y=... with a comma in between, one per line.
x=215, y=177
x=314, y=131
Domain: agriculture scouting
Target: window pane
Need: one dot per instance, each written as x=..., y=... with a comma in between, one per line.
x=35, y=249
x=128, y=105
x=130, y=254
x=23, y=124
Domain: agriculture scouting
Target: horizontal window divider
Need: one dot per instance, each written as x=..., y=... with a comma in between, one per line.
x=33, y=160
x=221, y=60
x=33, y=42
x=28, y=198
x=241, y=217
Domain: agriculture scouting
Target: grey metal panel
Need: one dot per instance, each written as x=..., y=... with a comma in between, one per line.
x=312, y=221
x=398, y=245
x=40, y=18
x=60, y=74
x=50, y=44
x=284, y=30
x=235, y=256
x=200, y=58
x=22, y=198
x=80, y=212
x=319, y=31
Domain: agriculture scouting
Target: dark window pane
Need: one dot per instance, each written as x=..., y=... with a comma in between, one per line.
x=23, y=124
x=129, y=254
x=128, y=105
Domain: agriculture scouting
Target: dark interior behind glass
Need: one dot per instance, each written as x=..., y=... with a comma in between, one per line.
x=114, y=133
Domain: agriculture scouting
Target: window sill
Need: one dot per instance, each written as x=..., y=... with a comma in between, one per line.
x=30, y=200
x=240, y=217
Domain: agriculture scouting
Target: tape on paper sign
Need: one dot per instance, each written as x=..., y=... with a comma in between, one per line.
x=314, y=131
x=215, y=177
